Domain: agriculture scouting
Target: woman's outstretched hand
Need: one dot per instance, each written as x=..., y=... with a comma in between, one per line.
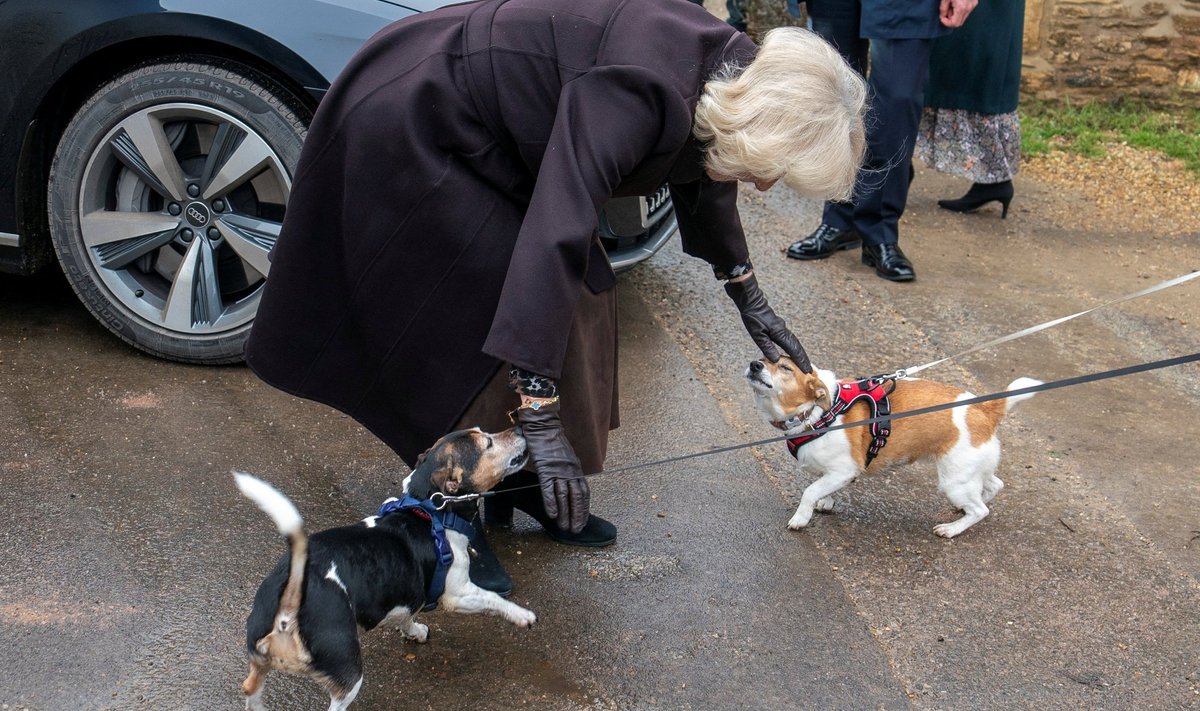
x=768, y=331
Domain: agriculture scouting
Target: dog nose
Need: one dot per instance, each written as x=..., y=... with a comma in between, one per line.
x=756, y=366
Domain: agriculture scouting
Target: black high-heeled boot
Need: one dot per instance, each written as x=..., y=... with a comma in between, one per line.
x=521, y=491
x=979, y=195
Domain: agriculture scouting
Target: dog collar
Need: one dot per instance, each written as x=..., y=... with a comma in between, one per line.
x=793, y=422
x=439, y=522
x=874, y=391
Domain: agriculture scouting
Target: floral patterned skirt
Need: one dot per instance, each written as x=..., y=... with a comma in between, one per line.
x=984, y=148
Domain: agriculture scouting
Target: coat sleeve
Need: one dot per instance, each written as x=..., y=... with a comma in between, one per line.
x=709, y=223
x=608, y=121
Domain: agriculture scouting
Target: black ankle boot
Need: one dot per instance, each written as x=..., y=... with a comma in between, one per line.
x=527, y=496
x=498, y=511
x=486, y=570
x=981, y=194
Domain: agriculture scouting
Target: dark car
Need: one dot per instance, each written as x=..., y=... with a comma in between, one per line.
x=148, y=146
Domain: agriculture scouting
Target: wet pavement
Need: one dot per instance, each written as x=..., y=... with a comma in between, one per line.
x=130, y=560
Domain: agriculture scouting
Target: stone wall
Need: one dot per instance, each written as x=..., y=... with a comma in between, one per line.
x=1107, y=49
x=1086, y=50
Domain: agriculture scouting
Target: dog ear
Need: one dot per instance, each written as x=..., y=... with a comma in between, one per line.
x=447, y=480
x=820, y=395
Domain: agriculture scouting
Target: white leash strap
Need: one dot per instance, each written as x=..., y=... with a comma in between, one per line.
x=905, y=372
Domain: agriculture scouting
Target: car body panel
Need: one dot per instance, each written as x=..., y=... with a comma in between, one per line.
x=43, y=41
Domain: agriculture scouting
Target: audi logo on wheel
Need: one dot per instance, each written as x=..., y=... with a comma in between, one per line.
x=197, y=214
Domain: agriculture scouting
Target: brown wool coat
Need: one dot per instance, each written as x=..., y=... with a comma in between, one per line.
x=443, y=217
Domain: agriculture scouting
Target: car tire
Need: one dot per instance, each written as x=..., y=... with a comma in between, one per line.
x=166, y=194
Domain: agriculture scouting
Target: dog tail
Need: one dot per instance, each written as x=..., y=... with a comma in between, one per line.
x=1018, y=384
x=287, y=519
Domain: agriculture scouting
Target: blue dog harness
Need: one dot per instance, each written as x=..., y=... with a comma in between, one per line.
x=873, y=391
x=439, y=521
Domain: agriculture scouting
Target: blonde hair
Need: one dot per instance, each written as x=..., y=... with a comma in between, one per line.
x=795, y=113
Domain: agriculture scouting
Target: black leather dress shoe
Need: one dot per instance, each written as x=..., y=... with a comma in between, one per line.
x=824, y=241
x=889, y=262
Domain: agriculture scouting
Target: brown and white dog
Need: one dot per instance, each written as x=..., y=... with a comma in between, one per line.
x=961, y=440
x=307, y=612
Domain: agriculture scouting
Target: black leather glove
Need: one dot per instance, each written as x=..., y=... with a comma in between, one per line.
x=565, y=492
x=769, y=331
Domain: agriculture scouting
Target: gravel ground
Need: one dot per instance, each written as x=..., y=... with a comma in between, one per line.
x=1130, y=187
x=1079, y=591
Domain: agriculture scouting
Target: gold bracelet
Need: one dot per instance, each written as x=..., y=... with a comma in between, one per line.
x=537, y=403
x=533, y=403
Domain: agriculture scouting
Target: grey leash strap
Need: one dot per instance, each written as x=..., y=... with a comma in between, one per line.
x=905, y=372
x=1053, y=385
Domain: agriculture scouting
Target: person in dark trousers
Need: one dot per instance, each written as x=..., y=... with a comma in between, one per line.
x=440, y=266
x=969, y=126
x=887, y=40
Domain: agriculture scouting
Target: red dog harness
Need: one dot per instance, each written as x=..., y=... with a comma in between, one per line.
x=874, y=391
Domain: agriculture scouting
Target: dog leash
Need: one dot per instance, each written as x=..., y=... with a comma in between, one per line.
x=441, y=499
x=905, y=372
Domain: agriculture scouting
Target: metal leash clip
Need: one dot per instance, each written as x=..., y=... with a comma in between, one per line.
x=446, y=500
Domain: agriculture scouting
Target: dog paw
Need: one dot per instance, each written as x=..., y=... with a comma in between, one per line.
x=522, y=618
x=946, y=530
x=798, y=522
x=417, y=632
x=825, y=505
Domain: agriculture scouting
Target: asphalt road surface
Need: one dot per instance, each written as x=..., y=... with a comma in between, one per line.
x=129, y=560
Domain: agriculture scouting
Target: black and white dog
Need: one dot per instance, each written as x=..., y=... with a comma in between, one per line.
x=380, y=570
